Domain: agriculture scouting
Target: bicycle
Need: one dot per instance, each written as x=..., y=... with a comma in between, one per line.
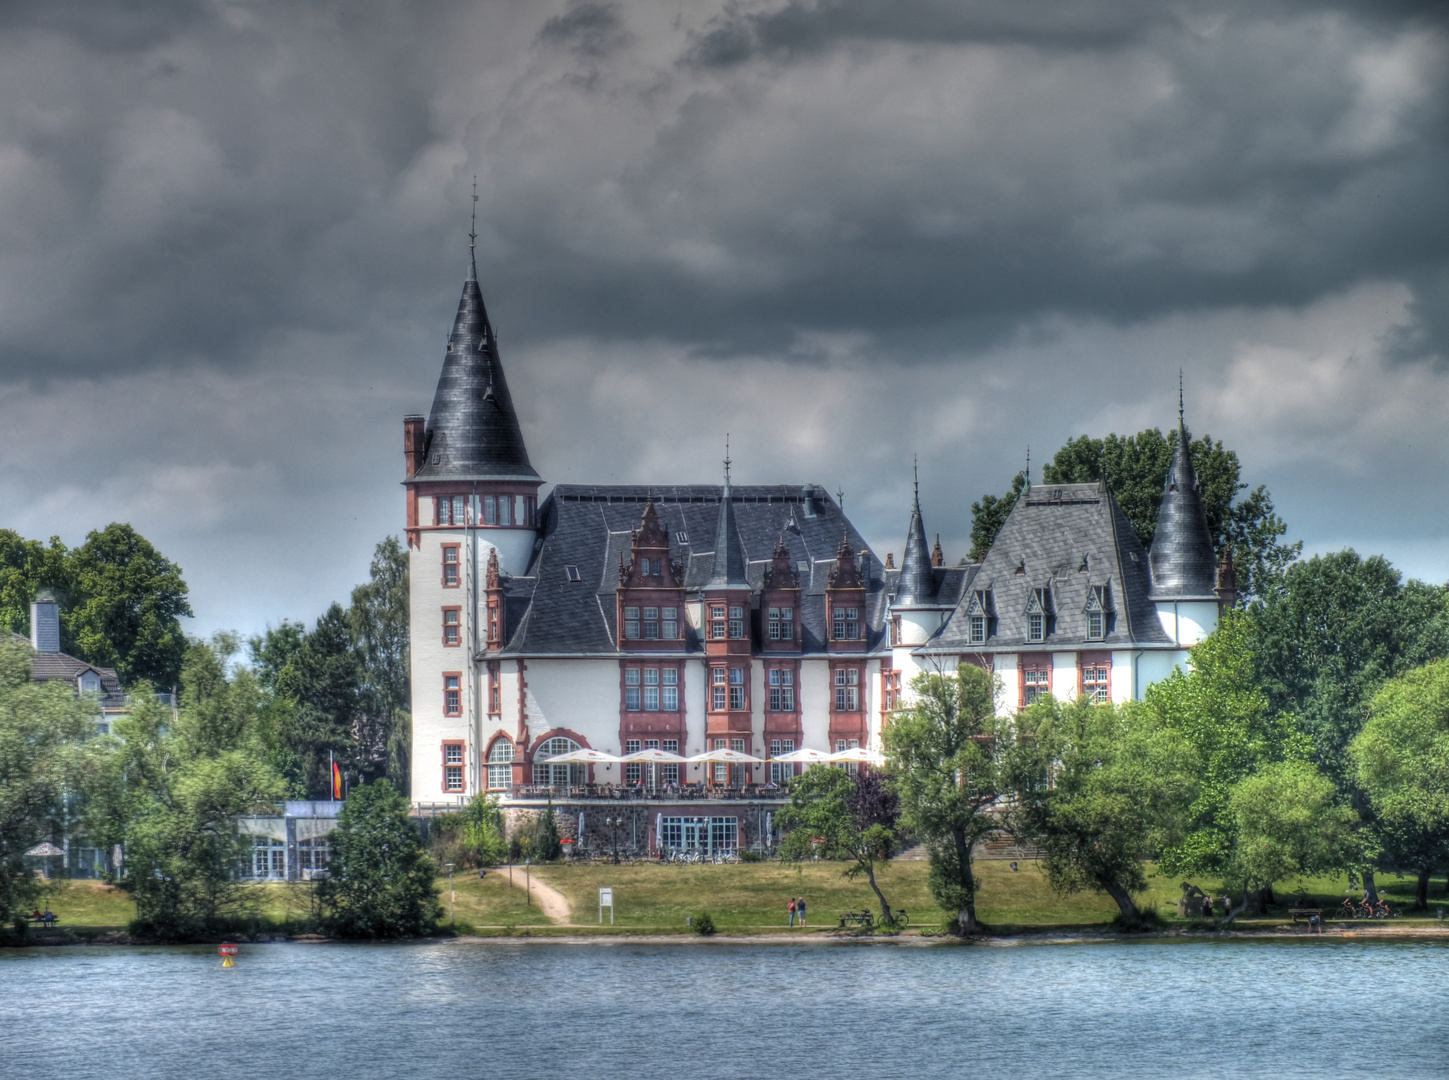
x=895, y=920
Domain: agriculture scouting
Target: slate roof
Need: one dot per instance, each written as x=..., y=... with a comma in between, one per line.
x=729, y=553
x=1183, y=566
x=915, y=585
x=472, y=431
x=61, y=667
x=589, y=527
x=1064, y=539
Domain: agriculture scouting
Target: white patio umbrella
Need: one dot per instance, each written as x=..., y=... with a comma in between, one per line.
x=654, y=756
x=582, y=756
x=857, y=754
x=44, y=850
x=805, y=754
x=725, y=756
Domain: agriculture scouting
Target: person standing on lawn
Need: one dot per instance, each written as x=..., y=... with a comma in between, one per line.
x=800, y=909
x=791, y=908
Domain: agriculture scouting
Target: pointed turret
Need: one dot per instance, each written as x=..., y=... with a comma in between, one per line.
x=729, y=556
x=915, y=585
x=472, y=432
x=1183, y=566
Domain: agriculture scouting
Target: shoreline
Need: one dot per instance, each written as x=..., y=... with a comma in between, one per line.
x=1042, y=936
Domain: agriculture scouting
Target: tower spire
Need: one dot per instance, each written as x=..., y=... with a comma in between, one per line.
x=727, y=465
x=473, y=234
x=1181, y=557
x=916, y=585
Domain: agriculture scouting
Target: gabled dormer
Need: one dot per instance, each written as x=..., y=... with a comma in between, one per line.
x=780, y=603
x=845, y=602
x=1099, y=611
x=1039, y=614
x=650, y=596
x=980, y=616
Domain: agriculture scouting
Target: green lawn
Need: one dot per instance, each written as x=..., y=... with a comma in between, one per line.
x=743, y=898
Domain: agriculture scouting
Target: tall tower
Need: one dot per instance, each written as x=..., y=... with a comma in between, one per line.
x=1184, y=568
x=472, y=516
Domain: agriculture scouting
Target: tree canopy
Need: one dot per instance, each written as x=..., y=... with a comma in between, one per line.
x=121, y=600
x=1100, y=788
x=1135, y=468
x=947, y=752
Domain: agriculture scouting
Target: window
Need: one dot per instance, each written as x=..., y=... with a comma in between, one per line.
x=671, y=690
x=737, y=688
x=890, y=686
x=313, y=854
x=1036, y=626
x=452, y=695
x=716, y=622
x=450, y=625
x=1097, y=682
x=556, y=775
x=651, y=623
x=500, y=765
x=1036, y=682
x=847, y=690
x=847, y=624
x=460, y=515
x=633, y=770
x=1096, y=625
x=490, y=510
x=737, y=622
x=495, y=689
x=631, y=622
x=453, y=767
x=718, y=679
x=782, y=624
x=631, y=689
x=572, y=573
x=671, y=623
x=651, y=689
x=782, y=690
x=505, y=509
x=781, y=771
x=978, y=629
x=450, y=566
x=269, y=858
x=669, y=774
x=493, y=614
x=443, y=510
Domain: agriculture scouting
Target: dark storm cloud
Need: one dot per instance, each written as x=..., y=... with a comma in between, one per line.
x=232, y=236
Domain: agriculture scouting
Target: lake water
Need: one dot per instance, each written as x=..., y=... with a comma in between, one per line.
x=1313, y=1009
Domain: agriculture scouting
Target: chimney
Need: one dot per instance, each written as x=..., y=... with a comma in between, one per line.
x=45, y=624
x=413, y=448
x=1227, y=587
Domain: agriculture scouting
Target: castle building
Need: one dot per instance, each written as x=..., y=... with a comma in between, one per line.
x=747, y=617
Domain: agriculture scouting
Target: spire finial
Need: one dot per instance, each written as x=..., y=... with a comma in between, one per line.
x=840, y=497
x=916, y=479
x=473, y=234
x=1180, y=413
x=1028, y=464
x=727, y=460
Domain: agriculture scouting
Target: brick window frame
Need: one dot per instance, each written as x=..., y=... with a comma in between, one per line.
x=457, y=566
x=456, y=626
x=1099, y=662
x=495, y=688
x=1041, y=665
x=454, y=752
x=453, y=707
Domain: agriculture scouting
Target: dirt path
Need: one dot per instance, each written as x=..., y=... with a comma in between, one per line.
x=549, y=900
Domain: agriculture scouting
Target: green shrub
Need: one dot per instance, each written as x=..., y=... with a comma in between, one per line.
x=703, y=924
x=751, y=856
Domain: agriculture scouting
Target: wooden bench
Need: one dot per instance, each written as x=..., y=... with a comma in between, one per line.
x=857, y=918
x=1306, y=912
x=43, y=920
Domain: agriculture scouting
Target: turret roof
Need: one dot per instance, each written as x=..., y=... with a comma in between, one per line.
x=473, y=431
x=916, y=584
x=1183, y=564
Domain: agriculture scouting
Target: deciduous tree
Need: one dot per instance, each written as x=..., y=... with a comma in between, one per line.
x=856, y=817
x=1401, y=762
x=948, y=754
x=1100, y=789
x=44, y=756
x=380, y=882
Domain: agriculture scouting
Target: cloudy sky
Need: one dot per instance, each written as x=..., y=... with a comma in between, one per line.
x=232, y=238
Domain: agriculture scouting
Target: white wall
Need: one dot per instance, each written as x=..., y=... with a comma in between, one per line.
x=1187, y=621
x=815, y=691
x=581, y=695
x=1064, y=676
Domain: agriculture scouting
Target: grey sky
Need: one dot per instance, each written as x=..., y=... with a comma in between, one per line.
x=232, y=239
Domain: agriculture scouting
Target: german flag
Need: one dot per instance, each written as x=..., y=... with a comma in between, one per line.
x=336, y=780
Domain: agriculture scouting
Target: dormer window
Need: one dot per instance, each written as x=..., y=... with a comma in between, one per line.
x=737, y=622
x=1097, y=609
x=1038, y=610
x=847, y=624
x=670, y=622
x=651, y=623
x=782, y=624
x=977, y=629
x=978, y=615
x=572, y=573
x=717, y=622
x=631, y=622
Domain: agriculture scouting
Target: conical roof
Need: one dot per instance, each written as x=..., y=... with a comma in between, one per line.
x=915, y=585
x=473, y=432
x=729, y=555
x=1183, y=566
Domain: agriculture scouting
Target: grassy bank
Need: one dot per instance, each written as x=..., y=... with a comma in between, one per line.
x=744, y=898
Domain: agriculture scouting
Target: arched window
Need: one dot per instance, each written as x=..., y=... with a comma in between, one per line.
x=559, y=775
x=500, y=765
